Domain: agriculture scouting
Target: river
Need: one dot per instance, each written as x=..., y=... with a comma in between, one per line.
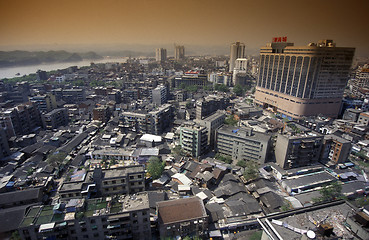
x=10, y=72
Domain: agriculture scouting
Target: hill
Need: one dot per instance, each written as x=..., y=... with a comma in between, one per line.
x=21, y=58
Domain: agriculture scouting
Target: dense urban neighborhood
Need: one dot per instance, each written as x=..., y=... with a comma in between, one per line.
x=274, y=146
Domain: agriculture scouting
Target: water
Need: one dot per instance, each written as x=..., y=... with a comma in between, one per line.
x=10, y=72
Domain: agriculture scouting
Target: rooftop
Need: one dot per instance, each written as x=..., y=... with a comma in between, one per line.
x=39, y=215
x=181, y=210
x=291, y=224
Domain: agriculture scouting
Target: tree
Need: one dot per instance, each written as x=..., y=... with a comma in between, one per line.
x=329, y=192
x=155, y=167
x=15, y=236
x=241, y=163
x=223, y=158
x=177, y=151
x=230, y=120
x=221, y=88
x=56, y=158
x=238, y=90
x=251, y=170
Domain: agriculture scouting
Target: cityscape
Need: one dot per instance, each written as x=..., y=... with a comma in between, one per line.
x=184, y=120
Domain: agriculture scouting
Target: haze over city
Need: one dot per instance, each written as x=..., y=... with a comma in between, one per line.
x=144, y=25
x=186, y=120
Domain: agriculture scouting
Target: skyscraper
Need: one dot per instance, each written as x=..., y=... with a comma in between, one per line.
x=303, y=81
x=161, y=54
x=237, y=51
x=179, y=52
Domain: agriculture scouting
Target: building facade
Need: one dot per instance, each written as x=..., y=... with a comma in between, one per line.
x=237, y=51
x=161, y=54
x=56, y=118
x=179, y=52
x=121, y=217
x=182, y=217
x=209, y=105
x=298, y=149
x=101, y=113
x=212, y=123
x=303, y=81
x=194, y=139
x=159, y=95
x=242, y=143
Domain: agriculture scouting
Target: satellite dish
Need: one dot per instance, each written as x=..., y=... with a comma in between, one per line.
x=310, y=234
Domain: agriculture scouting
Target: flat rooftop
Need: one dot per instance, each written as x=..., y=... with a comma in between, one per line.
x=333, y=213
x=119, y=172
x=109, y=206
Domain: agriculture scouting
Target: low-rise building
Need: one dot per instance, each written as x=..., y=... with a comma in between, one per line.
x=182, y=217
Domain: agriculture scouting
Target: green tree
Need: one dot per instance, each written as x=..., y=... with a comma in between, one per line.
x=56, y=158
x=15, y=236
x=155, y=167
x=329, y=192
x=223, y=158
x=221, y=88
x=238, y=90
x=177, y=151
x=241, y=163
x=230, y=120
x=251, y=170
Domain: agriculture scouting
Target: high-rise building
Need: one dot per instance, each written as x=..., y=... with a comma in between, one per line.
x=361, y=81
x=239, y=70
x=159, y=95
x=193, y=139
x=303, y=81
x=179, y=52
x=237, y=51
x=161, y=54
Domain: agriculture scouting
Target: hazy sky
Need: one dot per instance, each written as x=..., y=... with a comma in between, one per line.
x=200, y=22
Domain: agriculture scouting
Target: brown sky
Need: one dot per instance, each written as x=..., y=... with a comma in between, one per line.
x=215, y=22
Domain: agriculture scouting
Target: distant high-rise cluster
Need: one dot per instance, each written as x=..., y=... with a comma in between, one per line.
x=237, y=51
x=303, y=81
x=161, y=54
x=179, y=52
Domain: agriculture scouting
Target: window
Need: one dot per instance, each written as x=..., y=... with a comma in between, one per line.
x=131, y=177
x=113, y=182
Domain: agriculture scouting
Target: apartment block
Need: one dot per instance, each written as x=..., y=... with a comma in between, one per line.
x=194, y=139
x=23, y=119
x=101, y=113
x=106, y=182
x=242, y=143
x=56, y=118
x=212, y=123
x=153, y=122
x=210, y=104
x=45, y=103
x=335, y=149
x=298, y=149
x=118, y=217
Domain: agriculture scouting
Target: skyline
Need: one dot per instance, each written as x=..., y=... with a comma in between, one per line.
x=112, y=24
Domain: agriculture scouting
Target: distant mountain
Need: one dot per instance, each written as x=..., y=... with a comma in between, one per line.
x=21, y=58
